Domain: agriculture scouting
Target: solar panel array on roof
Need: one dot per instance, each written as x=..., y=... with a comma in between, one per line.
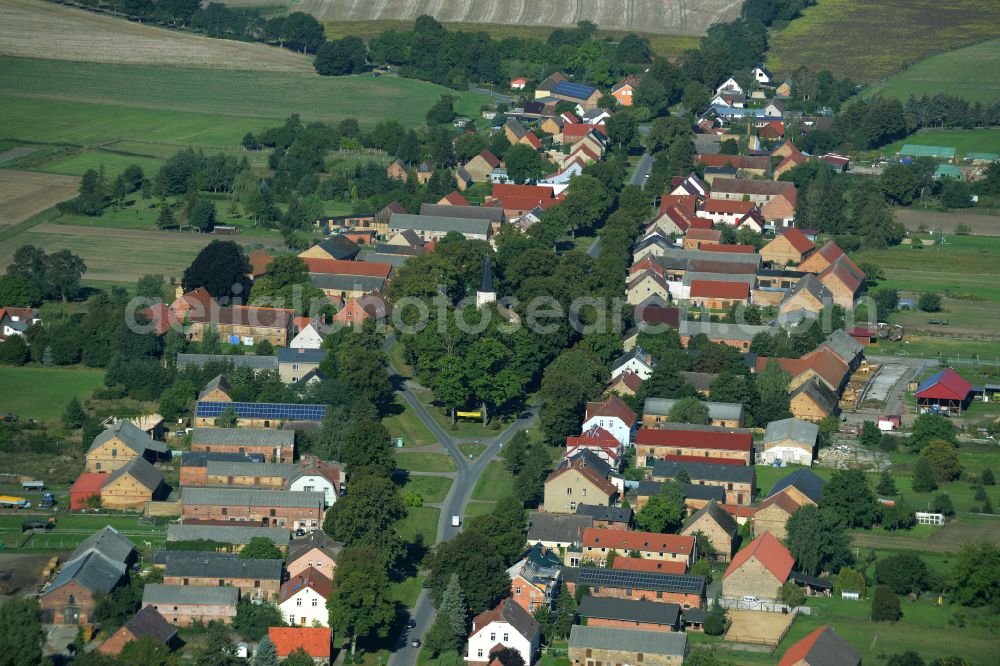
x=263, y=410
x=641, y=579
x=577, y=90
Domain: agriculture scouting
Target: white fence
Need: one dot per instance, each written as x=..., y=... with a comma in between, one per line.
x=766, y=606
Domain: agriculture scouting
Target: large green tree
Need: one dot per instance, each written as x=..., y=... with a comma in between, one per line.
x=481, y=571
x=975, y=576
x=904, y=572
x=221, y=267
x=665, y=511
x=360, y=605
x=21, y=635
x=367, y=515
x=848, y=496
x=816, y=541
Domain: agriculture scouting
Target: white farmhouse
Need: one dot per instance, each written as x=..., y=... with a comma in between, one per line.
x=302, y=599
x=506, y=626
x=614, y=416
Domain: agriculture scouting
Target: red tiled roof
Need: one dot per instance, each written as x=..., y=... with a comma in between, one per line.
x=647, y=264
x=159, y=314
x=490, y=158
x=631, y=380
x=595, y=436
x=670, y=316
x=783, y=500
x=595, y=537
x=89, y=483
x=712, y=235
x=613, y=406
x=582, y=129
x=798, y=240
x=343, y=267
x=245, y=315
x=259, y=261
x=584, y=148
x=686, y=202
x=510, y=202
x=846, y=271
x=727, y=206
x=738, y=510
x=678, y=217
x=650, y=566
x=736, y=161
x=719, y=289
x=198, y=300
x=455, y=199
x=533, y=140
x=733, y=249
x=702, y=459
x=309, y=578
x=314, y=640
x=721, y=440
x=767, y=550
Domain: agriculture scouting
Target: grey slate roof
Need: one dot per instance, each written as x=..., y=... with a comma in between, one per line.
x=226, y=534
x=491, y=213
x=161, y=557
x=202, y=458
x=288, y=355
x=794, y=429
x=365, y=283
x=243, y=436
x=217, y=383
x=132, y=436
x=724, y=331
x=667, y=469
x=749, y=278
x=340, y=247
x=811, y=284
x=149, y=622
x=822, y=394
x=251, y=498
x=108, y=542
x=190, y=595
x=486, y=283
x=225, y=468
x=669, y=643
x=610, y=608
x=716, y=513
x=93, y=571
x=237, y=360
x=220, y=567
x=695, y=615
x=805, y=480
x=554, y=527
x=614, y=514
x=701, y=381
x=728, y=411
x=140, y=470
x=317, y=539
x=844, y=345
x=691, y=490
x=832, y=650
x=394, y=259
x=439, y=223
x=637, y=353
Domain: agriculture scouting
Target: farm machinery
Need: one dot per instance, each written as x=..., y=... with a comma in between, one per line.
x=893, y=332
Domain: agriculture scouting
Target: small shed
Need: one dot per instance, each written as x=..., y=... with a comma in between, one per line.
x=945, y=389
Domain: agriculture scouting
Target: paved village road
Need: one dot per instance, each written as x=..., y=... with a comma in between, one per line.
x=642, y=169
x=454, y=504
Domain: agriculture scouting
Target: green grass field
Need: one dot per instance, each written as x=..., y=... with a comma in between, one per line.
x=972, y=73
x=407, y=424
x=494, y=484
x=474, y=509
x=432, y=488
x=113, y=163
x=868, y=40
x=964, y=141
x=88, y=103
x=420, y=520
x=425, y=462
x=41, y=393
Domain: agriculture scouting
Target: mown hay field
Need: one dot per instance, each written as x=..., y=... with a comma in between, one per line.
x=669, y=16
x=32, y=28
x=24, y=193
x=85, y=103
x=972, y=72
x=868, y=40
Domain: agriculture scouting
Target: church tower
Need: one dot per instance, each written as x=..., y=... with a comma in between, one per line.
x=486, y=293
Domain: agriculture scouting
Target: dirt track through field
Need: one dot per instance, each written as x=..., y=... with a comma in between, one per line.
x=981, y=225
x=38, y=29
x=659, y=16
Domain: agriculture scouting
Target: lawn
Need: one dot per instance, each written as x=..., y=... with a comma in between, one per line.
x=113, y=163
x=972, y=73
x=425, y=462
x=407, y=424
x=87, y=103
x=406, y=592
x=42, y=393
x=431, y=488
x=474, y=509
x=495, y=483
x=420, y=521
x=963, y=141
x=867, y=40
x=471, y=450
x=924, y=629
x=398, y=361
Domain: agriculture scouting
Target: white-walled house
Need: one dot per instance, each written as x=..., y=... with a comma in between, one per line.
x=790, y=441
x=637, y=361
x=729, y=85
x=508, y=625
x=614, y=416
x=302, y=599
x=319, y=476
x=310, y=336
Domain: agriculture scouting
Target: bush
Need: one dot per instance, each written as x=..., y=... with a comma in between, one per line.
x=792, y=594
x=929, y=302
x=942, y=504
x=885, y=605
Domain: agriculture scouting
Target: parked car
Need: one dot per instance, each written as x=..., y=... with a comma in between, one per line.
x=415, y=642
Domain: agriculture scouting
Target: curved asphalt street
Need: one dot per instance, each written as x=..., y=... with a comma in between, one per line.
x=454, y=503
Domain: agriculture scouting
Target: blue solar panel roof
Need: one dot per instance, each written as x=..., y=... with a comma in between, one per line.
x=578, y=90
x=263, y=410
x=685, y=584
